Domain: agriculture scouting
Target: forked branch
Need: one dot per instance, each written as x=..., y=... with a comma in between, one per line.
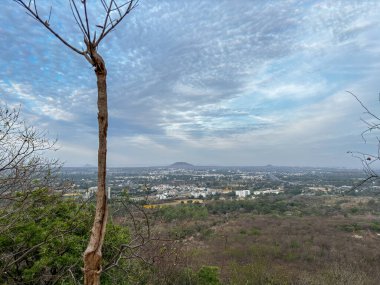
x=109, y=23
x=33, y=12
x=115, y=13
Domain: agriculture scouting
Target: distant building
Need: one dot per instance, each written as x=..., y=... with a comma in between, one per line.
x=242, y=193
x=162, y=196
x=109, y=193
x=92, y=191
x=71, y=195
x=267, y=191
x=198, y=194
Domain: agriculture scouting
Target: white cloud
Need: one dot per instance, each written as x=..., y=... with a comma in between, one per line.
x=54, y=113
x=23, y=94
x=16, y=90
x=232, y=81
x=292, y=91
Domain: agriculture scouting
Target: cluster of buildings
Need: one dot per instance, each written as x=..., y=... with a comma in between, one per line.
x=165, y=191
x=206, y=182
x=169, y=192
x=87, y=193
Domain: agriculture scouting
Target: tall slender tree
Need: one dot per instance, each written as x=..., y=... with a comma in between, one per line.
x=114, y=12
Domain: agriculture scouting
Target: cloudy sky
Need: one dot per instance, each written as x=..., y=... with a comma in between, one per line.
x=209, y=82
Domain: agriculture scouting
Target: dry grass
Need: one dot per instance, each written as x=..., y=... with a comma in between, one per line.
x=300, y=250
x=316, y=240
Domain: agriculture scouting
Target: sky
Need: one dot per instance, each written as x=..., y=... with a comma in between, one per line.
x=209, y=82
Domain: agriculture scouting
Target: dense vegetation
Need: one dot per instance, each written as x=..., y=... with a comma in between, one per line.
x=43, y=243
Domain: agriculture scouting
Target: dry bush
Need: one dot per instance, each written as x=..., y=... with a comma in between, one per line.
x=291, y=247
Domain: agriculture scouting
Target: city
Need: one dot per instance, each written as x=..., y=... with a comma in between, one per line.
x=181, y=181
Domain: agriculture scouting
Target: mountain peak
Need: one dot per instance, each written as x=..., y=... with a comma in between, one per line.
x=181, y=164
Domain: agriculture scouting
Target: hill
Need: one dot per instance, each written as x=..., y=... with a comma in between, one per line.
x=181, y=165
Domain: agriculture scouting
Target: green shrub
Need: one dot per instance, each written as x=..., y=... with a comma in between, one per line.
x=208, y=275
x=351, y=228
x=44, y=243
x=375, y=226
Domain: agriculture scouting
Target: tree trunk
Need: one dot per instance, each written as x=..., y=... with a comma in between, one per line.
x=93, y=254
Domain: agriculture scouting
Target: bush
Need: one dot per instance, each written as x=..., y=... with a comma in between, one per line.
x=208, y=275
x=351, y=228
x=375, y=226
x=44, y=243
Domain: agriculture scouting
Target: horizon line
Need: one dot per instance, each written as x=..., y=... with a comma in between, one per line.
x=210, y=165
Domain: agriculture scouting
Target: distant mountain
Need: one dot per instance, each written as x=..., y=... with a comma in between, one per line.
x=181, y=165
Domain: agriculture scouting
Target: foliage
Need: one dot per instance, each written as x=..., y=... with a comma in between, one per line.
x=264, y=205
x=208, y=275
x=44, y=241
x=183, y=212
x=375, y=226
x=43, y=244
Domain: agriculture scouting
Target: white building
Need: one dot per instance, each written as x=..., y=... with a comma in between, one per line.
x=162, y=196
x=198, y=194
x=267, y=191
x=242, y=193
x=92, y=192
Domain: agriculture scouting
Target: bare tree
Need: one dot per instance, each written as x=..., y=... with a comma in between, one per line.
x=114, y=12
x=22, y=167
x=148, y=246
x=369, y=161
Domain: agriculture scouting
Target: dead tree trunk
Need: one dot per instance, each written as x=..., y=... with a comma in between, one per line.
x=93, y=254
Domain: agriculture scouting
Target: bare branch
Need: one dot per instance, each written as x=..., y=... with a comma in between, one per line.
x=106, y=29
x=35, y=7
x=35, y=16
x=368, y=160
x=88, y=58
x=86, y=18
x=104, y=24
x=76, y=19
x=104, y=5
x=364, y=107
x=50, y=14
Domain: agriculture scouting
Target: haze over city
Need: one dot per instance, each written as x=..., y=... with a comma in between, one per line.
x=207, y=82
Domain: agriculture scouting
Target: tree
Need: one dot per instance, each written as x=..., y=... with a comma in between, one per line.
x=44, y=242
x=22, y=166
x=27, y=184
x=369, y=161
x=114, y=12
x=43, y=234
